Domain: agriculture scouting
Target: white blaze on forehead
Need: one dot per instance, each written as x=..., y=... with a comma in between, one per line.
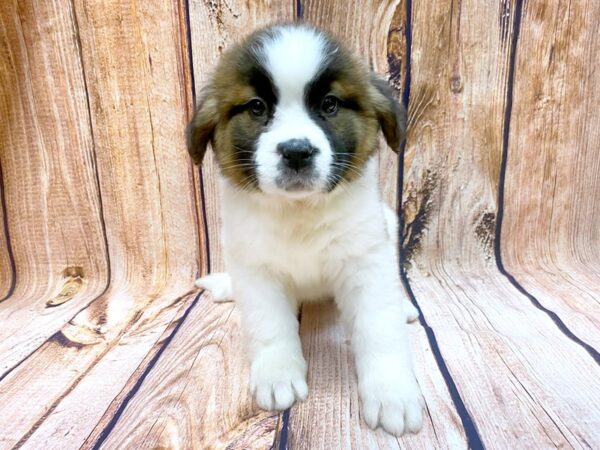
x=293, y=56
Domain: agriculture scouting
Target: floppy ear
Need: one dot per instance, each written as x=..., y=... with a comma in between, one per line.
x=390, y=113
x=200, y=130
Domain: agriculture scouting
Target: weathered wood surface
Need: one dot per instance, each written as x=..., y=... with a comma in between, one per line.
x=133, y=67
x=7, y=272
x=525, y=395
x=50, y=187
x=486, y=328
x=196, y=395
x=550, y=233
x=102, y=212
x=332, y=383
x=231, y=421
x=553, y=165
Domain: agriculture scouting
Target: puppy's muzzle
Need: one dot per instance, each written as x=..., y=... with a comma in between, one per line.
x=297, y=154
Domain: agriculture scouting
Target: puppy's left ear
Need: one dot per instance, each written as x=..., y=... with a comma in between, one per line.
x=390, y=113
x=200, y=130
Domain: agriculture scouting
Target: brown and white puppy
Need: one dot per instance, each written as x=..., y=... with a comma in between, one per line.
x=293, y=119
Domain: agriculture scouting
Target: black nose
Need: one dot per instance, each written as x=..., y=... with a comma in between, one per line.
x=297, y=153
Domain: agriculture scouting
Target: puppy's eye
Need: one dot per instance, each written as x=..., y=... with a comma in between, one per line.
x=329, y=106
x=257, y=107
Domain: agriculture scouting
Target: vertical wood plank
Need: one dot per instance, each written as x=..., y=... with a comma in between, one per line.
x=214, y=27
x=205, y=414
x=134, y=60
x=375, y=30
x=53, y=205
x=482, y=324
x=132, y=55
x=454, y=144
x=550, y=234
x=553, y=161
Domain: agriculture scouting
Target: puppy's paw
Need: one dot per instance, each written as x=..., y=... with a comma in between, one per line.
x=219, y=285
x=277, y=379
x=394, y=403
x=410, y=311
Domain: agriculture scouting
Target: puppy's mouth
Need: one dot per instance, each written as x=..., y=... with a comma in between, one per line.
x=305, y=180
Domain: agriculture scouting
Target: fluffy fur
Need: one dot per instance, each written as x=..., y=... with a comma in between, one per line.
x=293, y=119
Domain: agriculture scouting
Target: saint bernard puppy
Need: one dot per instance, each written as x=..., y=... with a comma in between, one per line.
x=293, y=119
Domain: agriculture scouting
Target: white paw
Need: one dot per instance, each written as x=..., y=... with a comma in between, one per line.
x=277, y=379
x=219, y=285
x=394, y=403
x=411, y=312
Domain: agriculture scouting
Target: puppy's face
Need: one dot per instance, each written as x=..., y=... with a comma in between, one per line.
x=291, y=112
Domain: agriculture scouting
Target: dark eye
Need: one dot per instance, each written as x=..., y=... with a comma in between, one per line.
x=329, y=106
x=257, y=107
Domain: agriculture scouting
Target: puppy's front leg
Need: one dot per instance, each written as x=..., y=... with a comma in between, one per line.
x=369, y=296
x=278, y=369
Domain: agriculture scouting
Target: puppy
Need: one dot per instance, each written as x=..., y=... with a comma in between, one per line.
x=293, y=119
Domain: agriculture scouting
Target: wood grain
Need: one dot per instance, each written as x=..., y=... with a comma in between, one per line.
x=139, y=114
x=382, y=45
x=486, y=329
x=553, y=163
x=332, y=383
x=197, y=396
x=509, y=363
x=133, y=58
x=333, y=396
x=214, y=26
x=103, y=366
x=550, y=237
x=53, y=207
x=454, y=147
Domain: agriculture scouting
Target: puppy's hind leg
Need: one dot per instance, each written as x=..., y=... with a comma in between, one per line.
x=391, y=228
x=219, y=285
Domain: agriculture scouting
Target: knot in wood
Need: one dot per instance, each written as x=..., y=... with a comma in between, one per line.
x=456, y=84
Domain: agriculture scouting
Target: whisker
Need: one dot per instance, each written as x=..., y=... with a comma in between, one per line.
x=349, y=167
x=237, y=166
x=339, y=182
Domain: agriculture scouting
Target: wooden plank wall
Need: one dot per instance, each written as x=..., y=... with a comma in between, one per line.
x=550, y=237
x=50, y=189
x=100, y=206
x=486, y=325
x=105, y=224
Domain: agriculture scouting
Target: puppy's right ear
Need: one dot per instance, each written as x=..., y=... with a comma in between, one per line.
x=200, y=130
x=390, y=113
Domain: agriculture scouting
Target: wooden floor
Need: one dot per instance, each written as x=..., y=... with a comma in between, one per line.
x=104, y=225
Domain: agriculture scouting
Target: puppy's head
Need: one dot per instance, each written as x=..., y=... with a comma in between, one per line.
x=290, y=111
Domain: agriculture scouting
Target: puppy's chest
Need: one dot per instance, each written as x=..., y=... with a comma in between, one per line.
x=289, y=243
x=307, y=251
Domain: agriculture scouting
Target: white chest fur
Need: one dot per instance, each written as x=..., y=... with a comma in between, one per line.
x=304, y=244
